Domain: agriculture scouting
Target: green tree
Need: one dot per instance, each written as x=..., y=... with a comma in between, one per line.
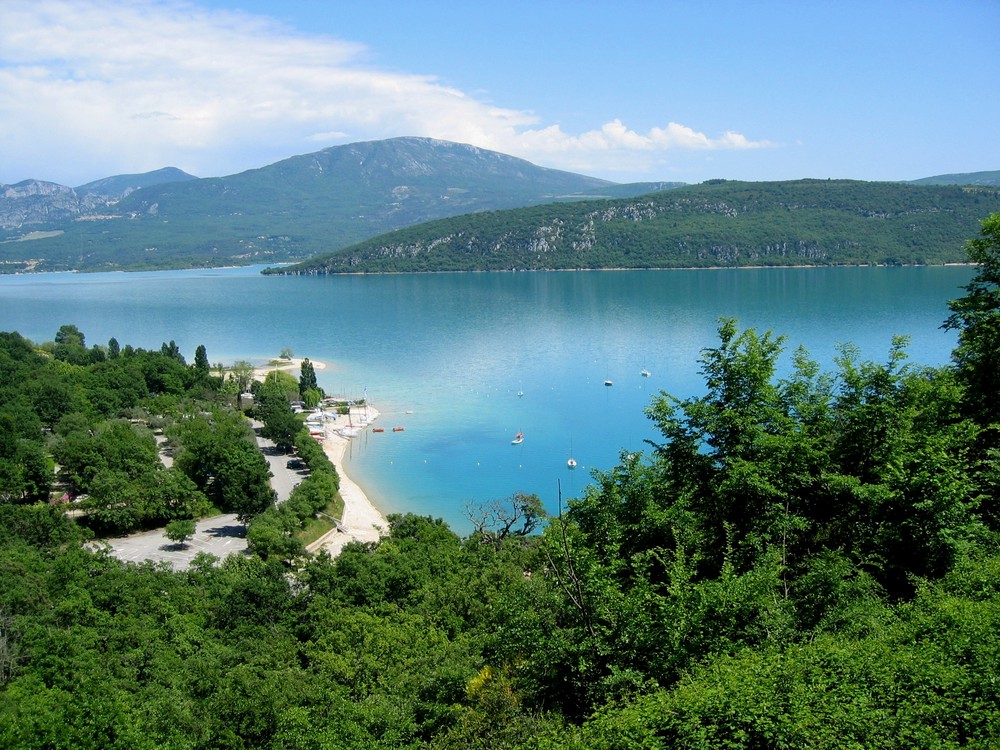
x=242, y=480
x=201, y=360
x=70, y=345
x=180, y=531
x=976, y=317
x=172, y=351
x=271, y=534
x=70, y=335
x=307, y=378
x=274, y=410
x=219, y=454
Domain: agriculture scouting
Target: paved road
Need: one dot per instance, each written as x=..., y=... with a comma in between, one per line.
x=283, y=479
x=220, y=536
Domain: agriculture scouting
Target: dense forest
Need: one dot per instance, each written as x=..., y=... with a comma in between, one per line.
x=719, y=223
x=801, y=561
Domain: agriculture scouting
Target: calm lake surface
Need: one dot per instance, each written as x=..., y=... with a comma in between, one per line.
x=446, y=355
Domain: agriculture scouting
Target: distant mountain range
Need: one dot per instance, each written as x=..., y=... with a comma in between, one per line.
x=305, y=206
x=981, y=179
x=290, y=210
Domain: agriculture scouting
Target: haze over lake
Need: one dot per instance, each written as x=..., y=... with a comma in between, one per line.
x=446, y=355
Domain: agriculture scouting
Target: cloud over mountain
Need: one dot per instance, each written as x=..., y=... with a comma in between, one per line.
x=98, y=88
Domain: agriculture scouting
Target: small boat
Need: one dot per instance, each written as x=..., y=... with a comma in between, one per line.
x=645, y=373
x=609, y=383
x=398, y=429
x=518, y=439
x=378, y=429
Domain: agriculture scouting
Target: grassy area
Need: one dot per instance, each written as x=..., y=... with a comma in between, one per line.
x=317, y=527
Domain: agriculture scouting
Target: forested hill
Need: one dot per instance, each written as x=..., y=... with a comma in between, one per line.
x=293, y=209
x=717, y=223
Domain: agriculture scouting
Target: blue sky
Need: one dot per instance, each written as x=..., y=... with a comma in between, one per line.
x=627, y=90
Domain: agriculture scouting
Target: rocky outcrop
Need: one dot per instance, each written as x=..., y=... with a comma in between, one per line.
x=34, y=202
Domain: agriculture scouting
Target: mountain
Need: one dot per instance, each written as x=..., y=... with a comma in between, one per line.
x=969, y=178
x=35, y=202
x=36, y=205
x=305, y=205
x=319, y=203
x=114, y=188
x=717, y=223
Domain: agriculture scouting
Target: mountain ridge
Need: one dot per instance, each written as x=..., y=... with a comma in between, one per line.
x=719, y=223
x=298, y=208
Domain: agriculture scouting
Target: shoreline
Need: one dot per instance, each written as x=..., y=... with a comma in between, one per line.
x=284, y=365
x=361, y=520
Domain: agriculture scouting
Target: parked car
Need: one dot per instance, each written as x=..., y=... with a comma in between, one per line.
x=295, y=463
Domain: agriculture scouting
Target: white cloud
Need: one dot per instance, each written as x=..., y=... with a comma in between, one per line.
x=89, y=88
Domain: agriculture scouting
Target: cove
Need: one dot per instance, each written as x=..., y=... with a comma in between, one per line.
x=446, y=355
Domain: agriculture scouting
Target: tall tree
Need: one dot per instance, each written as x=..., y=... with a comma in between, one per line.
x=976, y=317
x=307, y=378
x=201, y=360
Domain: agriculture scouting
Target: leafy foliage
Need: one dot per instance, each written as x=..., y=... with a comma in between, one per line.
x=717, y=223
x=806, y=561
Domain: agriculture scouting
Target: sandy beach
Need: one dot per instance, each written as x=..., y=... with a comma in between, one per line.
x=362, y=521
x=292, y=366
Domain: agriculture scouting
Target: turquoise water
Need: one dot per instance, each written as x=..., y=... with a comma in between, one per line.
x=446, y=355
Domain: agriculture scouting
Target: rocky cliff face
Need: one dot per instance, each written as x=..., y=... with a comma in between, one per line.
x=34, y=202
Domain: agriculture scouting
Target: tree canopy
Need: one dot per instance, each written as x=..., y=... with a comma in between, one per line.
x=806, y=560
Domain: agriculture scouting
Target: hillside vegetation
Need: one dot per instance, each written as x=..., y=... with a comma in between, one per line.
x=719, y=223
x=320, y=203
x=991, y=179
x=800, y=562
x=293, y=209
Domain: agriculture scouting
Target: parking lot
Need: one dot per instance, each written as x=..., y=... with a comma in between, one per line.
x=221, y=535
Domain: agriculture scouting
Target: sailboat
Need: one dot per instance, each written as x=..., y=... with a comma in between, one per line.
x=571, y=462
x=518, y=439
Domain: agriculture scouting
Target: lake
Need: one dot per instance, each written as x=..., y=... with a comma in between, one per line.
x=446, y=355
